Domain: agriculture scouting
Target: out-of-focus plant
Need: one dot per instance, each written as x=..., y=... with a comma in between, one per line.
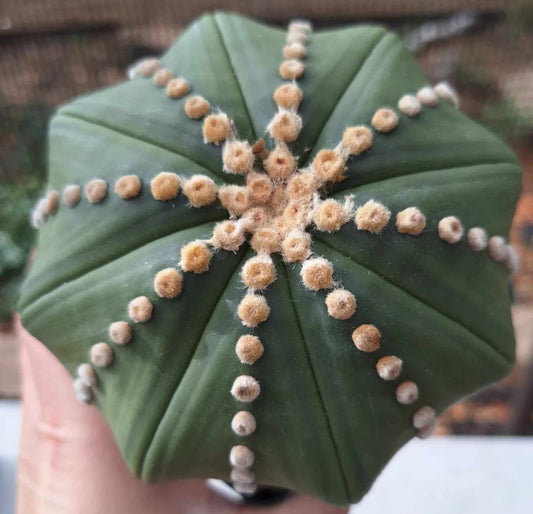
x=489, y=104
x=519, y=16
x=503, y=118
x=22, y=171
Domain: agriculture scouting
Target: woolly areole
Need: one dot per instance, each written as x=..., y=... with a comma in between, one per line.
x=245, y=215
x=165, y=186
x=177, y=88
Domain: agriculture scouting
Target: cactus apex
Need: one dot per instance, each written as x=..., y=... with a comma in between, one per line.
x=260, y=187
x=266, y=240
x=254, y=218
x=234, y=198
x=301, y=186
x=228, y=235
x=296, y=247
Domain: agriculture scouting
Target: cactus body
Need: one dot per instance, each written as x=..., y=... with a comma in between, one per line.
x=326, y=408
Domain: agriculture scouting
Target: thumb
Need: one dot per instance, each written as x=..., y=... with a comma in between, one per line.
x=69, y=461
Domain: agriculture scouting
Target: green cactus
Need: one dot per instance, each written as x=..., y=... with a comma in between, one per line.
x=401, y=310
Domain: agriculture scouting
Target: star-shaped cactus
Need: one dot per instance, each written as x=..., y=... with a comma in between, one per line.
x=272, y=257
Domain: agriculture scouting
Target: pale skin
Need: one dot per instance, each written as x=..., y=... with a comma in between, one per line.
x=69, y=461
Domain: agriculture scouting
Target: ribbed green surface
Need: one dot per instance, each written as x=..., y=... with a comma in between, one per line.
x=327, y=424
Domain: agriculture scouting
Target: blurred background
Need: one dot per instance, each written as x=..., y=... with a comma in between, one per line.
x=52, y=50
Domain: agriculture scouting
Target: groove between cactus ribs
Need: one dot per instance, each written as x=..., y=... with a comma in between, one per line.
x=341, y=95
x=174, y=390
x=293, y=302
x=64, y=281
x=232, y=68
x=98, y=123
x=353, y=189
x=128, y=135
x=486, y=343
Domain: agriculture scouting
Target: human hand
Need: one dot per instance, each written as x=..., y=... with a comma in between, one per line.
x=70, y=463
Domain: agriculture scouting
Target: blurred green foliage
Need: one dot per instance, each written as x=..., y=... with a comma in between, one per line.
x=519, y=16
x=490, y=106
x=22, y=173
x=506, y=120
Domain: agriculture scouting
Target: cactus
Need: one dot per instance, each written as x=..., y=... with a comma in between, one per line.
x=274, y=257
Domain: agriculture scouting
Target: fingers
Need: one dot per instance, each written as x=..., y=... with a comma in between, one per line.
x=69, y=461
x=47, y=387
